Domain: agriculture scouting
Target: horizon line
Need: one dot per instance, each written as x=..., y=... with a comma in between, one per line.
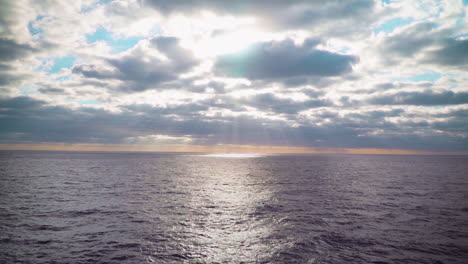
x=247, y=149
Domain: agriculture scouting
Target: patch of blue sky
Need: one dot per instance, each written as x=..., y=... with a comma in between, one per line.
x=32, y=27
x=437, y=107
x=383, y=73
x=64, y=78
x=390, y=25
x=344, y=49
x=465, y=2
x=89, y=102
x=100, y=34
x=33, y=30
x=425, y=77
x=120, y=45
x=439, y=6
x=28, y=89
x=61, y=63
x=451, y=74
x=94, y=5
x=117, y=44
x=157, y=30
x=461, y=36
x=460, y=21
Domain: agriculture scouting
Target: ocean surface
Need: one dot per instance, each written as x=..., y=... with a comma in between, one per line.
x=77, y=207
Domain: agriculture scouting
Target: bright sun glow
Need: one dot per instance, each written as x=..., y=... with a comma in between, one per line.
x=213, y=35
x=225, y=43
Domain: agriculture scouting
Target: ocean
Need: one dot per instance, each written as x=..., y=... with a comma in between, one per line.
x=90, y=207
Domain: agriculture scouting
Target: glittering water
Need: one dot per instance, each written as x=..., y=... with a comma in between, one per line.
x=180, y=208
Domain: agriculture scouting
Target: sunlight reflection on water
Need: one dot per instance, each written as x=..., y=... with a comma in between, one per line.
x=229, y=196
x=235, y=155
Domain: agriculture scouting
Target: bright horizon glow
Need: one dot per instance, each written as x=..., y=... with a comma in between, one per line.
x=220, y=150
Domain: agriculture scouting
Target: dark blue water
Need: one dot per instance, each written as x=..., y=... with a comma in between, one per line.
x=181, y=208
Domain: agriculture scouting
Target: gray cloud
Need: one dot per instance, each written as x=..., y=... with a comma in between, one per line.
x=410, y=41
x=426, y=97
x=92, y=71
x=12, y=50
x=454, y=52
x=426, y=39
x=7, y=78
x=13, y=18
x=27, y=120
x=51, y=90
x=278, y=13
x=139, y=70
x=272, y=103
x=284, y=59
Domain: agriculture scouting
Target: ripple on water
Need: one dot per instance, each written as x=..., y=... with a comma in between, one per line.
x=231, y=208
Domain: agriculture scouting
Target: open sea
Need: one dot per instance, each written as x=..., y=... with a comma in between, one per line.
x=79, y=207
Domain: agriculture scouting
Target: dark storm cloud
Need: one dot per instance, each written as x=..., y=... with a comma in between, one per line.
x=426, y=97
x=139, y=70
x=284, y=59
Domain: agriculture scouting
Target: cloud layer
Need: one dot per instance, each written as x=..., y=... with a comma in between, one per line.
x=340, y=74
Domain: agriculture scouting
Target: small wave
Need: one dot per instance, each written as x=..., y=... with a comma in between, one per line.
x=125, y=245
x=304, y=251
x=79, y=213
x=123, y=257
x=43, y=242
x=340, y=241
x=46, y=228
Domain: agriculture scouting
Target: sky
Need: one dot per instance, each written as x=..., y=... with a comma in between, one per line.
x=336, y=76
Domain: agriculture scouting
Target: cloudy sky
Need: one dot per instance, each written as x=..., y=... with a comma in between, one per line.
x=358, y=76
